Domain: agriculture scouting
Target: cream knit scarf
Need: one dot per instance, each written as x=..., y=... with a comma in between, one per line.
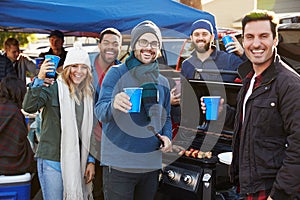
x=72, y=164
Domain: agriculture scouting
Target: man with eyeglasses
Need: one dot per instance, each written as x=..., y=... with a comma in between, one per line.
x=110, y=42
x=130, y=151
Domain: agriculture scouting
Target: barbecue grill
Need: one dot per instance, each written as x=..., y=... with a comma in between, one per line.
x=185, y=177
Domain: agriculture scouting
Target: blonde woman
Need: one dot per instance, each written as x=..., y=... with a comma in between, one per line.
x=65, y=167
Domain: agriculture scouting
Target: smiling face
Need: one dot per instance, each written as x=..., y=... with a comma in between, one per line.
x=109, y=47
x=259, y=43
x=146, y=48
x=78, y=73
x=202, y=39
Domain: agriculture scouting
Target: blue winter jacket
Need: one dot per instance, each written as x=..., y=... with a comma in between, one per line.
x=126, y=142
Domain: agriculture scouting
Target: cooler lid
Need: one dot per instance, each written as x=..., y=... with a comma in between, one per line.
x=15, y=178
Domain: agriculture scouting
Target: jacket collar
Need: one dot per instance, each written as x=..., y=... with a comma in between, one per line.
x=267, y=75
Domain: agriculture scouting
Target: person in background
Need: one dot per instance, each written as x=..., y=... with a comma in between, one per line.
x=22, y=64
x=266, y=143
x=56, y=39
x=16, y=155
x=65, y=167
x=6, y=67
x=206, y=56
x=130, y=152
x=109, y=45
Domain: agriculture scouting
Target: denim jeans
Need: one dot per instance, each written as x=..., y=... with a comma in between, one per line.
x=50, y=181
x=128, y=186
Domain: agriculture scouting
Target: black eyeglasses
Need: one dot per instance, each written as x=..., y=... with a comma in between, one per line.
x=145, y=43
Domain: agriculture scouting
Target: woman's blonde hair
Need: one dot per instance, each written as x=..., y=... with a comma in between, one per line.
x=85, y=88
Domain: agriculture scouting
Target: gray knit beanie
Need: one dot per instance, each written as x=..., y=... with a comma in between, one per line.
x=142, y=28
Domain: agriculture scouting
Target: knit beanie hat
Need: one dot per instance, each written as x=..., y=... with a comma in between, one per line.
x=142, y=28
x=202, y=23
x=77, y=55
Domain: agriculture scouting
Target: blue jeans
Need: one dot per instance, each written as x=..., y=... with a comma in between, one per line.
x=129, y=186
x=50, y=181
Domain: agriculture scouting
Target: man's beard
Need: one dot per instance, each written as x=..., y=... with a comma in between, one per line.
x=202, y=49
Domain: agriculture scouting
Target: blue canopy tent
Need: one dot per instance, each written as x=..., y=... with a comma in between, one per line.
x=92, y=16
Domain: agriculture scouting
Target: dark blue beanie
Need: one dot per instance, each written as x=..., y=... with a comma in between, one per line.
x=202, y=23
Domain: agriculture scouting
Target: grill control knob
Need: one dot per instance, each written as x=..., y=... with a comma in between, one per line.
x=171, y=174
x=187, y=179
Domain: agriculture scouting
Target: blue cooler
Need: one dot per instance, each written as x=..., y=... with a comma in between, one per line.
x=15, y=187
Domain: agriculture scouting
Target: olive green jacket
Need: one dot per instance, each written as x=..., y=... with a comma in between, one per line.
x=47, y=99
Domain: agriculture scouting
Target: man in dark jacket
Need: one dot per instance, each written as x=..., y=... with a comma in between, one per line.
x=22, y=64
x=266, y=144
x=6, y=67
x=56, y=39
x=266, y=155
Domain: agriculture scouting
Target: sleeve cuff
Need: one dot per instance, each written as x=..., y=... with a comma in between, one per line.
x=37, y=82
x=279, y=194
x=91, y=159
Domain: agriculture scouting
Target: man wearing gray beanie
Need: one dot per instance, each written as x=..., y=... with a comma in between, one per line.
x=142, y=28
x=130, y=151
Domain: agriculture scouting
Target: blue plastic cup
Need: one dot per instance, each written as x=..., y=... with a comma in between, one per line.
x=26, y=120
x=226, y=39
x=135, y=95
x=38, y=61
x=212, y=107
x=55, y=60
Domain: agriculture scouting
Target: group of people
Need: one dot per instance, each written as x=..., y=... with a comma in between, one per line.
x=86, y=123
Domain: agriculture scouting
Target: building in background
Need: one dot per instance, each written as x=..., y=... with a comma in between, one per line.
x=279, y=6
x=228, y=13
